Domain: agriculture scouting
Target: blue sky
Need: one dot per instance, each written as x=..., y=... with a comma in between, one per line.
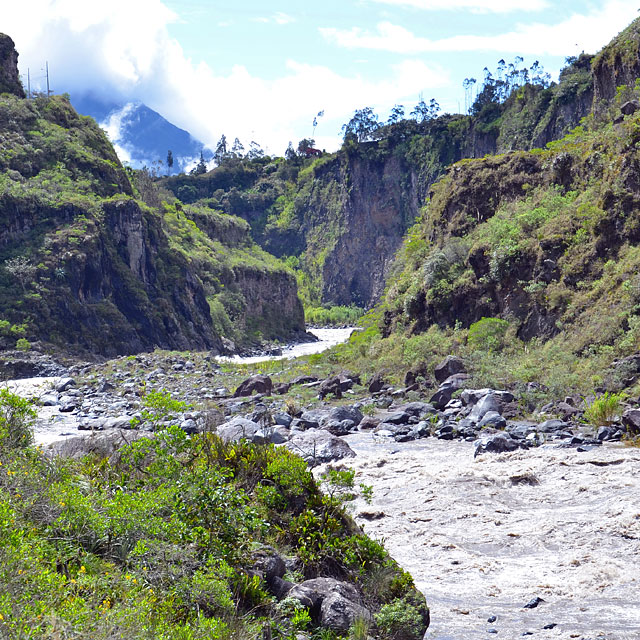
x=262, y=70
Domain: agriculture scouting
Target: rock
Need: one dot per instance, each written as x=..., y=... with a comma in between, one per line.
x=448, y=367
x=237, y=429
x=282, y=387
x=491, y=619
x=339, y=427
x=629, y=107
x=317, y=446
x=607, y=434
x=551, y=426
x=65, y=383
x=49, y=399
x=400, y=417
x=330, y=386
x=189, y=426
x=103, y=444
x=492, y=419
x=489, y=403
x=376, y=383
x=567, y=410
x=255, y=384
x=418, y=409
x=331, y=603
x=269, y=564
x=631, y=420
x=368, y=423
x=280, y=588
x=347, y=412
x=443, y=395
x=310, y=419
x=496, y=444
x=283, y=419
x=533, y=603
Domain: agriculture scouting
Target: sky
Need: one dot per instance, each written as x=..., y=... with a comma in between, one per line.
x=262, y=71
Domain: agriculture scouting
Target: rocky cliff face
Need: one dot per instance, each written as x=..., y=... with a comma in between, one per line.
x=86, y=266
x=9, y=77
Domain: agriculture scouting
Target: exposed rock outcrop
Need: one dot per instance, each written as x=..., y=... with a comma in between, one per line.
x=9, y=77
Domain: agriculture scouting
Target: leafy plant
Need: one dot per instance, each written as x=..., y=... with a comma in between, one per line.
x=603, y=409
x=17, y=416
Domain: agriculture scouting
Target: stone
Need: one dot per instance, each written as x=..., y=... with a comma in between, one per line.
x=49, y=399
x=317, y=446
x=551, y=426
x=418, y=409
x=304, y=380
x=64, y=383
x=607, y=434
x=189, y=426
x=310, y=419
x=496, y=444
x=533, y=603
x=376, y=383
x=368, y=423
x=448, y=367
x=269, y=563
x=492, y=419
x=283, y=419
x=9, y=76
x=255, y=384
x=330, y=386
x=237, y=429
x=282, y=387
x=339, y=427
x=331, y=603
x=631, y=420
x=489, y=403
x=346, y=412
x=400, y=417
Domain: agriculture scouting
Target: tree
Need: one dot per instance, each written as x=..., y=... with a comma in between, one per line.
x=305, y=145
x=397, y=114
x=237, y=151
x=255, y=151
x=362, y=126
x=221, y=152
x=290, y=153
x=21, y=269
x=424, y=112
x=201, y=167
x=169, y=161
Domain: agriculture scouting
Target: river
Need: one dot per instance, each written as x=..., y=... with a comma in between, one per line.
x=327, y=338
x=482, y=537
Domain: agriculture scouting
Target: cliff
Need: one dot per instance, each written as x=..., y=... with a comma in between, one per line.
x=88, y=265
x=9, y=77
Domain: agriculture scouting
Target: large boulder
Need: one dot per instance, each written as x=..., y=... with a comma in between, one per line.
x=631, y=420
x=238, y=429
x=255, y=384
x=496, y=444
x=347, y=412
x=449, y=367
x=331, y=603
x=330, y=386
x=317, y=446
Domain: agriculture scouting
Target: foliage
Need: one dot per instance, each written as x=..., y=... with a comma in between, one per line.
x=399, y=620
x=17, y=416
x=604, y=409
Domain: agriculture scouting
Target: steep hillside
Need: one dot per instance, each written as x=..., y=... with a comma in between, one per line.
x=527, y=263
x=86, y=265
x=340, y=218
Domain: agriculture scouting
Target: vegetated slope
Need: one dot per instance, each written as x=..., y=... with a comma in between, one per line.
x=527, y=262
x=87, y=265
x=340, y=218
x=185, y=537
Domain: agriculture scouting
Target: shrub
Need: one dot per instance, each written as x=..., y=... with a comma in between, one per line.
x=399, y=620
x=488, y=334
x=23, y=344
x=17, y=416
x=603, y=410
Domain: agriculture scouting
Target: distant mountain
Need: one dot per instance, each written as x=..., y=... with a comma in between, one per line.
x=141, y=136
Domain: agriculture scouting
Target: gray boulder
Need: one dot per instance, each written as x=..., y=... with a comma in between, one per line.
x=631, y=420
x=492, y=419
x=255, y=384
x=496, y=444
x=448, y=367
x=237, y=429
x=331, y=603
x=317, y=446
x=347, y=412
x=486, y=404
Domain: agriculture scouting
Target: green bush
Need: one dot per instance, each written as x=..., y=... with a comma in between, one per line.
x=488, y=334
x=17, y=416
x=23, y=344
x=604, y=409
x=399, y=620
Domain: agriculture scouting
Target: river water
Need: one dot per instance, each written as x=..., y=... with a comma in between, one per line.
x=482, y=537
x=327, y=338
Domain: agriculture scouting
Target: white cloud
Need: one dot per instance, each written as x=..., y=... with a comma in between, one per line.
x=122, y=52
x=475, y=6
x=278, y=18
x=575, y=34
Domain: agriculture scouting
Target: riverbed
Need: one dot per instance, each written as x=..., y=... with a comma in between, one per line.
x=483, y=537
